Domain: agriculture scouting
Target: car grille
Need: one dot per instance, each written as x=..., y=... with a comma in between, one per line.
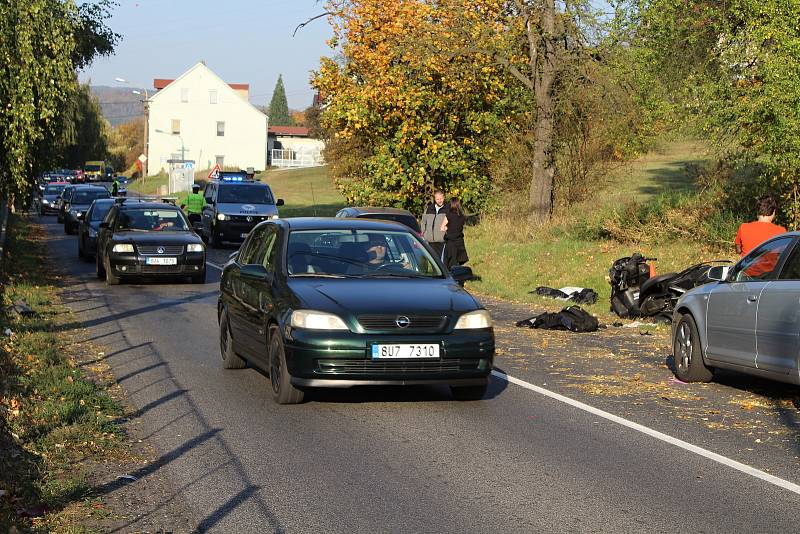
x=253, y=218
x=160, y=269
x=380, y=367
x=172, y=250
x=416, y=323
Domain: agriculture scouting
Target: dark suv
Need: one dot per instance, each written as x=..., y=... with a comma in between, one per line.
x=79, y=202
x=235, y=205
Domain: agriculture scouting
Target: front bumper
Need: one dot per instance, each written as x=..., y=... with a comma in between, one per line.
x=233, y=230
x=126, y=264
x=328, y=359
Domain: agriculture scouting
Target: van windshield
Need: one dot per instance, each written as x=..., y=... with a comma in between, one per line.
x=245, y=194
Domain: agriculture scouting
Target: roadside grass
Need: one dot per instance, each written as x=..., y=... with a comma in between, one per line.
x=53, y=419
x=513, y=256
x=148, y=185
x=307, y=192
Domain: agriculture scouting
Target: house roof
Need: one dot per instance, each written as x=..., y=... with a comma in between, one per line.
x=298, y=131
x=160, y=83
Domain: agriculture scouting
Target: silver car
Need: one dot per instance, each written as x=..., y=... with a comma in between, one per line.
x=747, y=320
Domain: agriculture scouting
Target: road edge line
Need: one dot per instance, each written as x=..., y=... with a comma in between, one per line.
x=214, y=265
x=666, y=438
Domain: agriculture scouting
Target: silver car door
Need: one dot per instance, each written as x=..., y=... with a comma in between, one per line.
x=732, y=306
x=778, y=320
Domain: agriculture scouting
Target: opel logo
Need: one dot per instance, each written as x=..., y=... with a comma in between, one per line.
x=160, y=250
x=249, y=219
x=402, y=322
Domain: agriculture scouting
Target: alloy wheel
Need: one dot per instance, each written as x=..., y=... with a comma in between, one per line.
x=275, y=367
x=684, y=346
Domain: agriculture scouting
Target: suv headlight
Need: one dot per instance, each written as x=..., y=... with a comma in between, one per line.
x=92, y=232
x=194, y=247
x=474, y=320
x=122, y=247
x=222, y=217
x=314, y=320
x=45, y=201
x=273, y=216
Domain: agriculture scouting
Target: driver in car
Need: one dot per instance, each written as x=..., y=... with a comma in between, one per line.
x=376, y=251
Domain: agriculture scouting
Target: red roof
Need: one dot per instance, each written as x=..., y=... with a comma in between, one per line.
x=160, y=83
x=300, y=131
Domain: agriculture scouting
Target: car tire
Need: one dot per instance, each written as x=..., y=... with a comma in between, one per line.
x=283, y=392
x=110, y=278
x=199, y=278
x=230, y=360
x=469, y=393
x=688, y=354
x=99, y=269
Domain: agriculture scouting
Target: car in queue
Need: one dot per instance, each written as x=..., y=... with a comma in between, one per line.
x=90, y=224
x=327, y=302
x=94, y=171
x=79, y=202
x=50, y=194
x=139, y=238
x=747, y=319
x=386, y=214
x=234, y=205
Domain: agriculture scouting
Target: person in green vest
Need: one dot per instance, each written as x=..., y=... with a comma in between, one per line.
x=194, y=203
x=115, y=187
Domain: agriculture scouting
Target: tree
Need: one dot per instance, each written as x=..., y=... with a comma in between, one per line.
x=278, y=106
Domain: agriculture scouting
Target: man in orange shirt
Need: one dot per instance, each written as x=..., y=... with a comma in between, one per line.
x=752, y=234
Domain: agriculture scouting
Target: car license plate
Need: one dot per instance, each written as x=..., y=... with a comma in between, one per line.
x=403, y=352
x=161, y=261
x=243, y=236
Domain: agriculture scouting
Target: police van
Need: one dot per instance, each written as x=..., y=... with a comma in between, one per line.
x=235, y=203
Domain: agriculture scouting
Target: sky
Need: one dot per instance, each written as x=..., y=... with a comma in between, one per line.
x=243, y=41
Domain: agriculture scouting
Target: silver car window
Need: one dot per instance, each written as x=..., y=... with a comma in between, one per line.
x=762, y=262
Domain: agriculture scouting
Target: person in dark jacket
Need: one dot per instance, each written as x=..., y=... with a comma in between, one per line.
x=455, y=252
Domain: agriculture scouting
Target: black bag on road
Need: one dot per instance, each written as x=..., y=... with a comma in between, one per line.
x=572, y=318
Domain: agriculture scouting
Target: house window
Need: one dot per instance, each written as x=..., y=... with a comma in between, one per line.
x=176, y=126
x=212, y=96
x=221, y=161
x=220, y=129
x=185, y=95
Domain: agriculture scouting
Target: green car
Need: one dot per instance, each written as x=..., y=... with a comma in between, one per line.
x=345, y=302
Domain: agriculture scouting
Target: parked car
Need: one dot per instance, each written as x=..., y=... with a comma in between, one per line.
x=141, y=238
x=386, y=214
x=90, y=224
x=345, y=302
x=79, y=202
x=747, y=320
x=50, y=194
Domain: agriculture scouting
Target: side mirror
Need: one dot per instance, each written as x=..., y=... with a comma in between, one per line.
x=255, y=272
x=103, y=225
x=718, y=273
x=461, y=273
x=233, y=255
x=279, y=202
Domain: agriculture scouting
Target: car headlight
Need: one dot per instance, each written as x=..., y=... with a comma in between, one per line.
x=92, y=232
x=74, y=212
x=194, y=247
x=314, y=320
x=474, y=320
x=45, y=201
x=122, y=247
x=222, y=217
x=273, y=216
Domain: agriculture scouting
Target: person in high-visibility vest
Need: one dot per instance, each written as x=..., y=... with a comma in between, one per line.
x=115, y=187
x=194, y=203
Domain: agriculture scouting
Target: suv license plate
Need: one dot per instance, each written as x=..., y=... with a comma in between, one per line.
x=243, y=236
x=161, y=261
x=405, y=352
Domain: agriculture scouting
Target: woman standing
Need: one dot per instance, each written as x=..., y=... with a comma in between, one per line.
x=455, y=252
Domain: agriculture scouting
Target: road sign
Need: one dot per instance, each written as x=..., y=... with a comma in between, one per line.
x=142, y=158
x=214, y=174
x=188, y=165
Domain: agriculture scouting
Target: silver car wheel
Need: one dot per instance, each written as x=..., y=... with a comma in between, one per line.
x=685, y=346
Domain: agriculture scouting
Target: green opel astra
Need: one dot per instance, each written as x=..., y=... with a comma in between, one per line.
x=319, y=302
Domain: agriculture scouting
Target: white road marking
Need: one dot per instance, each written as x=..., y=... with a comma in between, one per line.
x=214, y=265
x=744, y=468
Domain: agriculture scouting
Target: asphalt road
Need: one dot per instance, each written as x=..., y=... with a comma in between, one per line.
x=397, y=460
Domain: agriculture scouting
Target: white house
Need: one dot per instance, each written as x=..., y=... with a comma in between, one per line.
x=199, y=117
x=292, y=146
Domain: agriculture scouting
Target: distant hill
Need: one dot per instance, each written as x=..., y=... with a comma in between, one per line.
x=118, y=104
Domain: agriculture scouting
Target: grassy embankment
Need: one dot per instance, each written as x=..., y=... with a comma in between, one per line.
x=54, y=421
x=513, y=257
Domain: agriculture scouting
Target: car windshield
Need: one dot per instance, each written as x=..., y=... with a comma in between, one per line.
x=151, y=220
x=92, y=168
x=408, y=220
x=86, y=197
x=100, y=210
x=245, y=194
x=359, y=253
x=53, y=189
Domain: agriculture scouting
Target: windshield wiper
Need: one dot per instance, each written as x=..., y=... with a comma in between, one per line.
x=321, y=275
x=394, y=275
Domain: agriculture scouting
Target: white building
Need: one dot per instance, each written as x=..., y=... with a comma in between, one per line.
x=199, y=117
x=292, y=146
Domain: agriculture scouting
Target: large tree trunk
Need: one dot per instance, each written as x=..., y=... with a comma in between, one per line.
x=543, y=67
